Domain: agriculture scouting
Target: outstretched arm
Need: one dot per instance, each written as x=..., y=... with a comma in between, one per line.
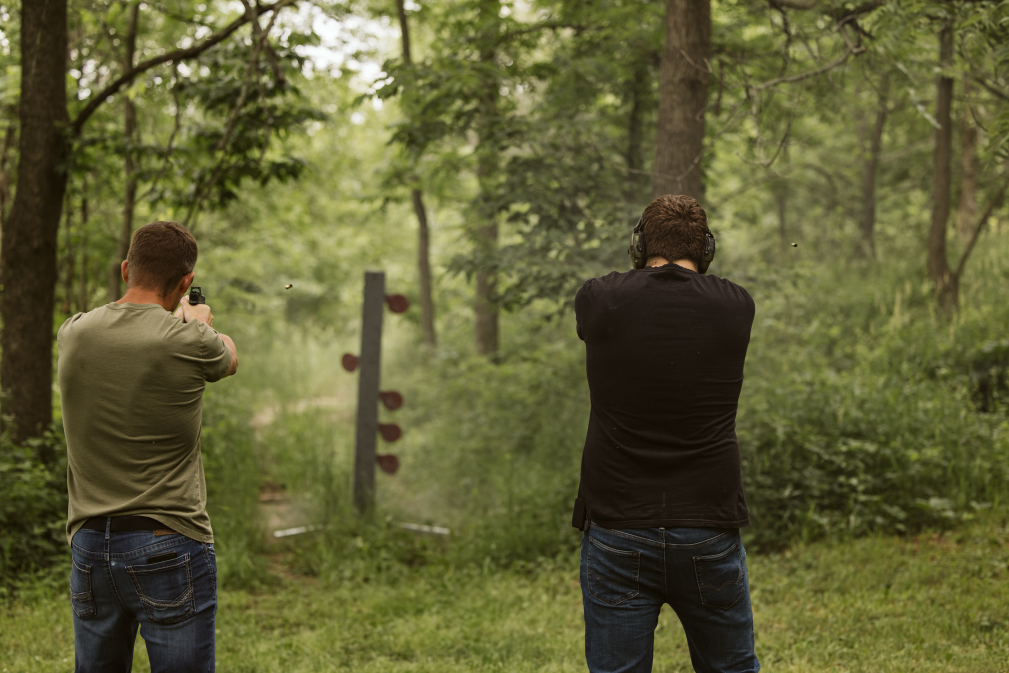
x=233, y=367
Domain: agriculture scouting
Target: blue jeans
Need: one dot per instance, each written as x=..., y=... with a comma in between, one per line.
x=626, y=576
x=113, y=590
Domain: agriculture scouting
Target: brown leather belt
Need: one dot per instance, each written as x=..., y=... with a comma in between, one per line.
x=123, y=523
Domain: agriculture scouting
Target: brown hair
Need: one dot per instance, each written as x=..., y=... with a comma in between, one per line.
x=674, y=228
x=161, y=254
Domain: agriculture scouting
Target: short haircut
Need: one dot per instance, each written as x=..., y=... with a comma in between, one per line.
x=674, y=228
x=161, y=255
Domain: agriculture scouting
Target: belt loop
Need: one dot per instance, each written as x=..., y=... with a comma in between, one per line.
x=105, y=549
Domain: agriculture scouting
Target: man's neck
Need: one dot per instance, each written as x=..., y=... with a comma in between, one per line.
x=139, y=295
x=662, y=261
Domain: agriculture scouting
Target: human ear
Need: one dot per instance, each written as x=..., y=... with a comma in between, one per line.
x=124, y=270
x=186, y=281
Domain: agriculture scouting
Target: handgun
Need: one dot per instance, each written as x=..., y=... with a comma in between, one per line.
x=196, y=296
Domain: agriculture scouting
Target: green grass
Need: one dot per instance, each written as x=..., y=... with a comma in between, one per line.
x=935, y=602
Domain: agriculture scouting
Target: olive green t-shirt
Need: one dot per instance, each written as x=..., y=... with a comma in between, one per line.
x=131, y=385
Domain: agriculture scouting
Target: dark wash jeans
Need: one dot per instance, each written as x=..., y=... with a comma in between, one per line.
x=626, y=576
x=114, y=590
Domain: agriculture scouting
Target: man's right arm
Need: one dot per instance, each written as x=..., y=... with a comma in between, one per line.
x=233, y=366
x=202, y=313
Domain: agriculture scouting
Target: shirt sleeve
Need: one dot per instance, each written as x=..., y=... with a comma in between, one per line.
x=581, y=306
x=216, y=355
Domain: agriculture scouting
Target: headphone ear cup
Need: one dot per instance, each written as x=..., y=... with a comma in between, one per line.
x=638, y=251
x=709, y=251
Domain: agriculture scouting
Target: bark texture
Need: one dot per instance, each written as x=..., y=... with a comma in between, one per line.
x=635, y=157
x=28, y=275
x=487, y=337
x=10, y=137
x=423, y=233
x=130, y=192
x=83, y=298
x=484, y=308
x=966, y=214
x=938, y=265
x=683, y=95
x=424, y=271
x=870, y=167
x=69, y=262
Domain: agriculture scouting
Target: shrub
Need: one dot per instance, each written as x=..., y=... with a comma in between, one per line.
x=33, y=508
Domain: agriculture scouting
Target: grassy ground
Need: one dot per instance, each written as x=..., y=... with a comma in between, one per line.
x=936, y=602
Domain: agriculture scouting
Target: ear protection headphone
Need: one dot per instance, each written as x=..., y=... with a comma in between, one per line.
x=638, y=251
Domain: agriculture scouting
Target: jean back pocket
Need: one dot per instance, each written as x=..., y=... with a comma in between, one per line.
x=81, y=598
x=165, y=590
x=721, y=578
x=613, y=574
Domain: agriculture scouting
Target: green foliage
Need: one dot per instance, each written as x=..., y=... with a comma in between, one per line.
x=233, y=479
x=33, y=509
x=861, y=411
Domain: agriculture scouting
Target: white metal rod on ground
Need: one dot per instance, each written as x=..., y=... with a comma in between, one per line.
x=416, y=527
x=298, y=530
x=421, y=528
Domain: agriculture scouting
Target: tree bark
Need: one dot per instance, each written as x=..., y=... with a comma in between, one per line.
x=638, y=92
x=683, y=95
x=869, y=170
x=82, y=299
x=966, y=214
x=28, y=274
x=782, y=201
x=10, y=137
x=423, y=234
x=70, y=258
x=424, y=271
x=130, y=192
x=484, y=307
x=938, y=265
x=487, y=334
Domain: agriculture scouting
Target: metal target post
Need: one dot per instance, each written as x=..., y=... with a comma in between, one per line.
x=368, y=390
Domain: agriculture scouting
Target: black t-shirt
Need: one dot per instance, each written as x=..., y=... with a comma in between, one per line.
x=664, y=356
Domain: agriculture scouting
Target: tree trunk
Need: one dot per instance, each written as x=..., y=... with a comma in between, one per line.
x=486, y=311
x=82, y=299
x=683, y=95
x=966, y=214
x=484, y=307
x=69, y=257
x=782, y=201
x=869, y=169
x=424, y=271
x=938, y=265
x=423, y=234
x=28, y=275
x=638, y=92
x=10, y=137
x=130, y=193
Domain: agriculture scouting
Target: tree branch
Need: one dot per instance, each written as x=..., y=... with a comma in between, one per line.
x=864, y=8
x=983, y=82
x=546, y=25
x=811, y=73
x=995, y=202
x=174, y=56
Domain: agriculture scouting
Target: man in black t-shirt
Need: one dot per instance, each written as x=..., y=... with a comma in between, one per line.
x=661, y=498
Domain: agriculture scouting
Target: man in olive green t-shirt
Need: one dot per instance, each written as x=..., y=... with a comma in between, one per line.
x=131, y=376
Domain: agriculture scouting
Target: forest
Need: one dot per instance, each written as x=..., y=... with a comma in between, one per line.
x=490, y=156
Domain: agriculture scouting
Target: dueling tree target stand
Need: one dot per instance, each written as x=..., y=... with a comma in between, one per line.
x=368, y=394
